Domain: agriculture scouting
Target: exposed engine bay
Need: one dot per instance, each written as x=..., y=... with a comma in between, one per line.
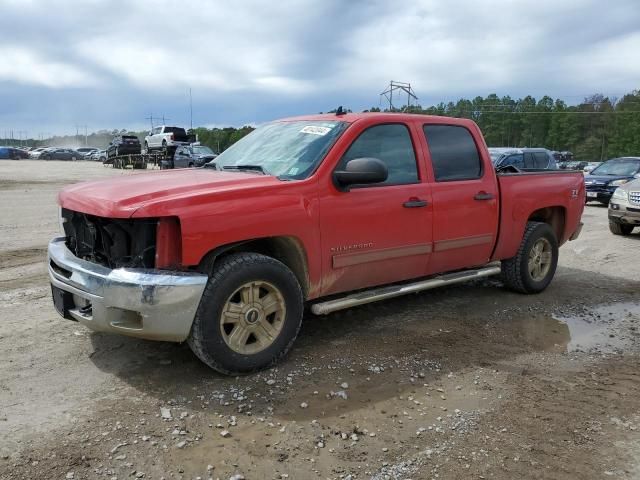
x=113, y=243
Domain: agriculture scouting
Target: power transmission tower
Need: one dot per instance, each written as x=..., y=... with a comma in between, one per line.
x=151, y=118
x=398, y=88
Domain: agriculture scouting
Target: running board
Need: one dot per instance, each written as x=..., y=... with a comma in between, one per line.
x=384, y=293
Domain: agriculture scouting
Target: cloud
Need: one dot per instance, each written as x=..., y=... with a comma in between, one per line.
x=111, y=63
x=21, y=65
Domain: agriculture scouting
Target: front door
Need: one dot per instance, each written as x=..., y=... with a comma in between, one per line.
x=380, y=233
x=465, y=199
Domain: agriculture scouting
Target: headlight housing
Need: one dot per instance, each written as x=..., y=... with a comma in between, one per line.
x=617, y=183
x=620, y=194
x=61, y=221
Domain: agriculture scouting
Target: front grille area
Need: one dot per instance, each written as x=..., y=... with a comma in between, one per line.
x=111, y=242
x=634, y=197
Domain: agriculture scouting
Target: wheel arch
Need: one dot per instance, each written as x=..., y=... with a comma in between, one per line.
x=555, y=216
x=287, y=249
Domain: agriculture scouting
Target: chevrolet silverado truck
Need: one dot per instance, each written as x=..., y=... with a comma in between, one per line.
x=325, y=211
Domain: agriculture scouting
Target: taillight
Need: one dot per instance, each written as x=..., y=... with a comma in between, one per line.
x=168, y=243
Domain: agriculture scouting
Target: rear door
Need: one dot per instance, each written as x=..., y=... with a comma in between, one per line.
x=465, y=198
x=181, y=158
x=380, y=233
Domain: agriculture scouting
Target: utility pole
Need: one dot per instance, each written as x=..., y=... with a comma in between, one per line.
x=191, y=108
x=150, y=118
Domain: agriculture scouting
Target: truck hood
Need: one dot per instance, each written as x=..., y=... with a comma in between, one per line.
x=604, y=179
x=120, y=197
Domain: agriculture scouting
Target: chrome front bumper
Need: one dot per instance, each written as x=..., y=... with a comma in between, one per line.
x=143, y=303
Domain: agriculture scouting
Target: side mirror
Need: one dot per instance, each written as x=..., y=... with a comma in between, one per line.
x=360, y=171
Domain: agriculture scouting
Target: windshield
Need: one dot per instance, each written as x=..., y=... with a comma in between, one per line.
x=619, y=167
x=202, y=150
x=290, y=150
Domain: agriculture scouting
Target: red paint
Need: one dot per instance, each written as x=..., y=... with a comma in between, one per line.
x=219, y=208
x=168, y=243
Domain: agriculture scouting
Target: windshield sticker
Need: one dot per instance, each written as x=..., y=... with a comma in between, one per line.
x=293, y=171
x=314, y=130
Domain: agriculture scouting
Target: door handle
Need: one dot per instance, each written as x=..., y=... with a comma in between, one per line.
x=483, y=196
x=415, y=203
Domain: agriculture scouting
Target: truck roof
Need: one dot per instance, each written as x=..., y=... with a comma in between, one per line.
x=380, y=116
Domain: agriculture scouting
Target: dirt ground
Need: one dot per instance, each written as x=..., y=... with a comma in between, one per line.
x=470, y=381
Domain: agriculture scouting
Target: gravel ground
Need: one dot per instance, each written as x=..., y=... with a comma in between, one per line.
x=470, y=381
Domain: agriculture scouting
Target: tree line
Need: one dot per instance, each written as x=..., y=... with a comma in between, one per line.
x=596, y=129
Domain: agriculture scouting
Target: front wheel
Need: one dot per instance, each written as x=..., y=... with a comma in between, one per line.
x=533, y=267
x=620, y=228
x=249, y=315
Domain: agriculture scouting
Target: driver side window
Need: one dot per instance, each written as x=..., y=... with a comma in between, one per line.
x=390, y=143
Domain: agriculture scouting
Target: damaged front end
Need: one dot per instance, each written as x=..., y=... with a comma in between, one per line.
x=124, y=276
x=113, y=243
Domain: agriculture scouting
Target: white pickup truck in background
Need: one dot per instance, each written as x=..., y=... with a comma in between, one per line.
x=166, y=139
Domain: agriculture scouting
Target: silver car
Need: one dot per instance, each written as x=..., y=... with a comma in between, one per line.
x=624, y=208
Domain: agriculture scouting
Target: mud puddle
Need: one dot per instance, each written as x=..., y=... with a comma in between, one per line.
x=603, y=329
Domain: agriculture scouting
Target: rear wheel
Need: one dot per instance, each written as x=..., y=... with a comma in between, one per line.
x=249, y=315
x=620, y=228
x=533, y=267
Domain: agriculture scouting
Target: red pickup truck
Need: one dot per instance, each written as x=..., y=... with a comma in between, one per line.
x=305, y=210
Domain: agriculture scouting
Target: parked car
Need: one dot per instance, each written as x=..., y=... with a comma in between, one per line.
x=346, y=203
x=192, y=156
x=11, y=153
x=523, y=158
x=167, y=139
x=86, y=151
x=575, y=165
x=124, y=145
x=624, y=208
x=603, y=180
x=99, y=156
x=36, y=152
x=60, y=154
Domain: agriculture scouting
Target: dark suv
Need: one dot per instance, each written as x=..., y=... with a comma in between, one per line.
x=124, y=145
x=523, y=158
x=192, y=156
x=603, y=180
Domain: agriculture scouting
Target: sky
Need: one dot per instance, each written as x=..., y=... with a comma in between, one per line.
x=111, y=64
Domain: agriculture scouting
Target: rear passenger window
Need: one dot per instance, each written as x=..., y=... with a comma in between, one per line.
x=390, y=143
x=529, y=160
x=542, y=160
x=454, y=154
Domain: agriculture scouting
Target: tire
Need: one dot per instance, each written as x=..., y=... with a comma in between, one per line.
x=190, y=165
x=620, y=228
x=210, y=338
x=516, y=272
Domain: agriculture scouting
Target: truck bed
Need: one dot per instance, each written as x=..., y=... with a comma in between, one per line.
x=537, y=190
